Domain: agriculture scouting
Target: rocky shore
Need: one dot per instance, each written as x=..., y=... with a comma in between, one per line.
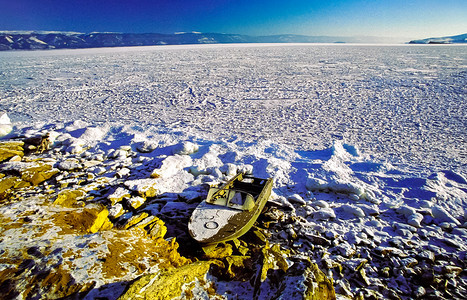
x=87, y=216
x=85, y=225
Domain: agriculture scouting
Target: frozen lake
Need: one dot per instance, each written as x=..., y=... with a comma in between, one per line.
x=404, y=103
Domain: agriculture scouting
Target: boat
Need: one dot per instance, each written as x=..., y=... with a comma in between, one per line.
x=229, y=211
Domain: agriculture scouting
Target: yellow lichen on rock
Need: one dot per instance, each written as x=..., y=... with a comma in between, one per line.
x=68, y=198
x=319, y=286
x=220, y=251
x=135, y=220
x=132, y=250
x=38, y=174
x=101, y=221
x=6, y=184
x=238, y=267
x=166, y=285
x=10, y=149
x=86, y=220
x=157, y=229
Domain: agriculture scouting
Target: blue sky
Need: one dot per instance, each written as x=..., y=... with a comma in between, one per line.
x=391, y=18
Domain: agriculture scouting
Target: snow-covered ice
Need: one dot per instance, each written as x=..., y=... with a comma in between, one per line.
x=367, y=142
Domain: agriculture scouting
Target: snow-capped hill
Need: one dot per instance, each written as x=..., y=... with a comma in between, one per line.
x=455, y=39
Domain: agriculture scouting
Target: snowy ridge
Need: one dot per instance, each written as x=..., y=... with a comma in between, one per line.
x=455, y=39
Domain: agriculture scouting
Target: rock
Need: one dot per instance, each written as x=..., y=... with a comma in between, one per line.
x=283, y=202
x=70, y=164
x=136, y=202
x=404, y=232
x=390, y=250
x=451, y=242
x=304, y=280
x=317, y=240
x=185, y=148
x=134, y=220
x=10, y=149
x=442, y=215
x=119, y=154
x=296, y=198
x=157, y=229
x=237, y=268
x=146, y=146
x=426, y=255
x=324, y=214
x=419, y=292
x=8, y=183
x=356, y=211
x=98, y=170
x=166, y=284
x=409, y=262
x=116, y=210
x=118, y=195
x=345, y=249
x=69, y=198
x=33, y=172
x=85, y=220
x=274, y=214
x=144, y=187
x=452, y=270
x=190, y=196
x=220, y=251
x=122, y=172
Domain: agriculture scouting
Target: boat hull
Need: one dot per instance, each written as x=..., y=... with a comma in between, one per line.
x=211, y=224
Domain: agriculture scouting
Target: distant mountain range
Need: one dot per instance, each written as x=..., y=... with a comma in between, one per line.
x=30, y=40
x=455, y=39
x=20, y=40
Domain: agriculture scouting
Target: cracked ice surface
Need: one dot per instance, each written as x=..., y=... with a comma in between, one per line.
x=401, y=103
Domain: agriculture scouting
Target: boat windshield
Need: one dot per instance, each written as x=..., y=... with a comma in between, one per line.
x=231, y=198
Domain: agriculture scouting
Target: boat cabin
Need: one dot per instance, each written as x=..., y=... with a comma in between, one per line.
x=240, y=194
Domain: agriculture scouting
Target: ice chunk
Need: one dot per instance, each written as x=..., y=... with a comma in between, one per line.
x=296, y=198
x=5, y=125
x=324, y=214
x=356, y=211
x=315, y=184
x=185, y=148
x=443, y=216
x=93, y=134
x=172, y=165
